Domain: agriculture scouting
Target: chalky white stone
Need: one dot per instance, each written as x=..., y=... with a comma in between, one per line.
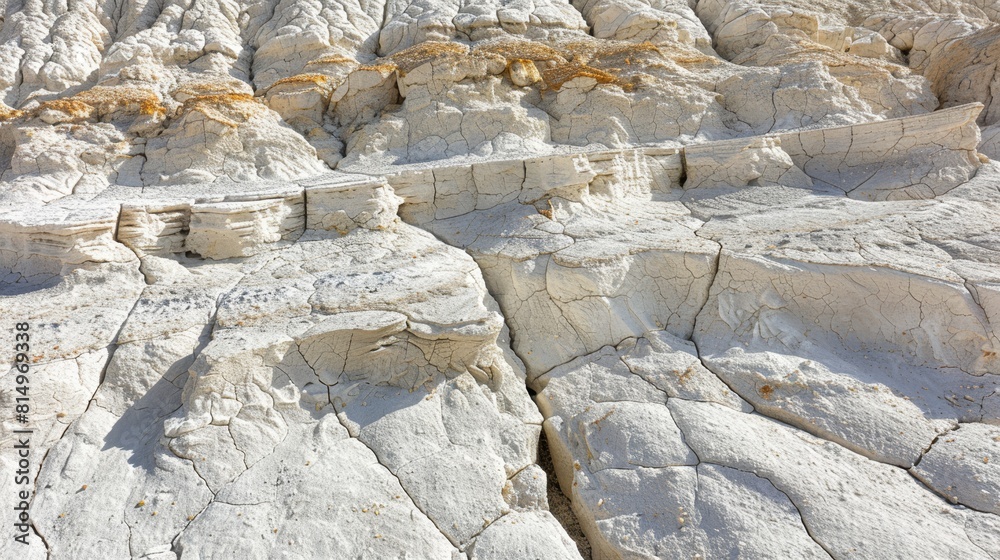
x=314, y=279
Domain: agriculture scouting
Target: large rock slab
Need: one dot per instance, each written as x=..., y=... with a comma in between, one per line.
x=334, y=358
x=317, y=276
x=961, y=466
x=585, y=239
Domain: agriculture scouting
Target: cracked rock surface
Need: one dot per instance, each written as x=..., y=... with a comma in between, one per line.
x=317, y=279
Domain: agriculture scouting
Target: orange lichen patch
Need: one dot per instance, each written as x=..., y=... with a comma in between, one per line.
x=513, y=49
x=331, y=59
x=70, y=106
x=382, y=67
x=6, y=113
x=766, y=392
x=230, y=109
x=692, y=57
x=645, y=53
x=317, y=79
x=590, y=52
x=305, y=81
x=422, y=53
x=150, y=107
x=621, y=54
x=685, y=376
x=619, y=63
x=126, y=99
x=208, y=88
x=559, y=75
x=101, y=101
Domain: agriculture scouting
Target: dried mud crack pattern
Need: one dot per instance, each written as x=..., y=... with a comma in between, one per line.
x=493, y=280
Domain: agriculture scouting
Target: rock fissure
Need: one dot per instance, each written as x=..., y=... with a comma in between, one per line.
x=729, y=264
x=400, y=483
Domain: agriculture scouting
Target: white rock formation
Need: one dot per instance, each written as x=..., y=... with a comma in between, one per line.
x=318, y=279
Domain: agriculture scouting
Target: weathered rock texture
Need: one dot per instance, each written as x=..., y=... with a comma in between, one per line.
x=314, y=279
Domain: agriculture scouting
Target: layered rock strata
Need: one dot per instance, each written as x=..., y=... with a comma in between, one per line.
x=313, y=279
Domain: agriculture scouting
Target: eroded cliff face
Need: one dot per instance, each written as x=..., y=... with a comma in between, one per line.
x=311, y=279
